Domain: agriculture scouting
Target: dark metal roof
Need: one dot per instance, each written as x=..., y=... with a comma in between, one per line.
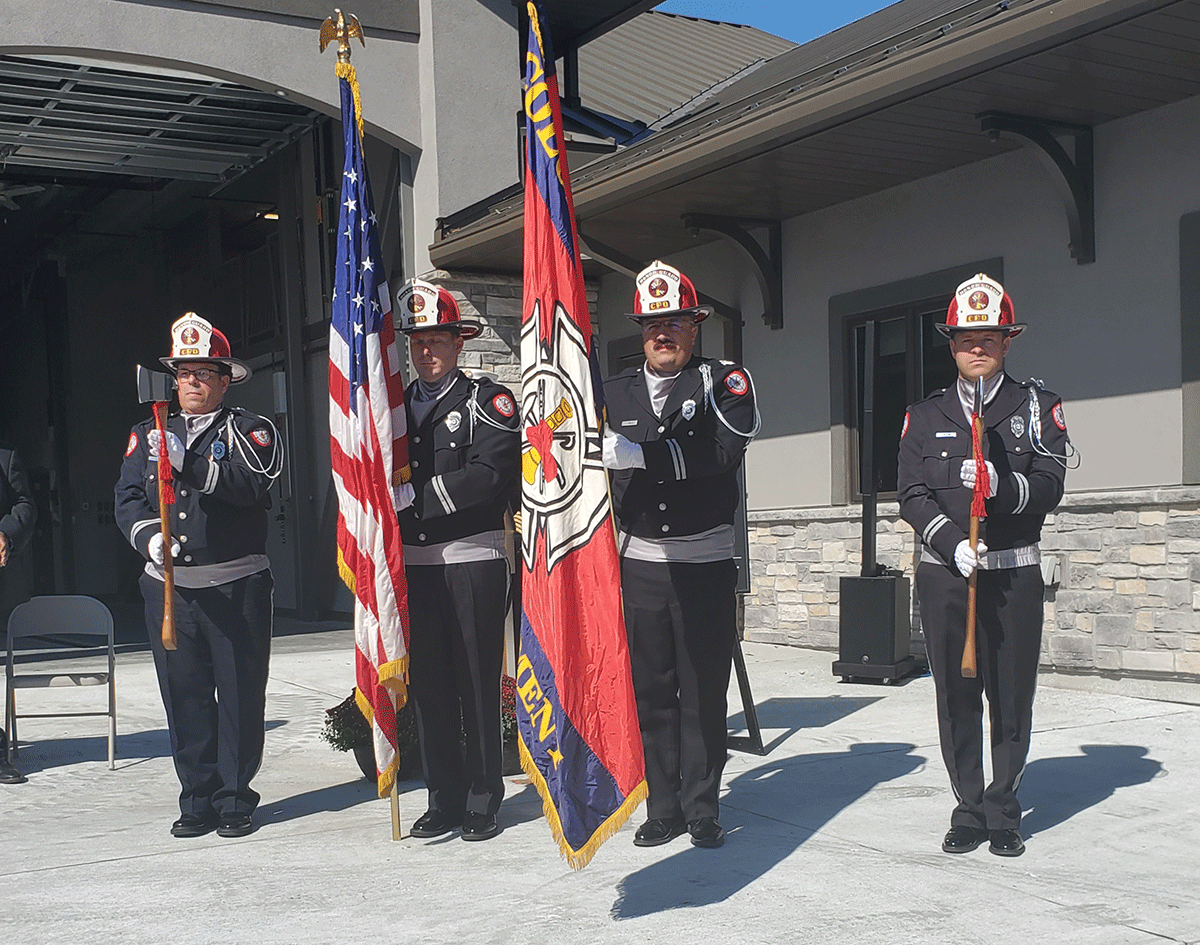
x=93, y=117
x=809, y=130
x=651, y=64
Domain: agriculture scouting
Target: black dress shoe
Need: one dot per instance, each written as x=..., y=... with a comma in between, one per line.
x=653, y=833
x=1006, y=843
x=235, y=825
x=706, y=832
x=10, y=774
x=193, y=825
x=479, y=826
x=434, y=823
x=963, y=839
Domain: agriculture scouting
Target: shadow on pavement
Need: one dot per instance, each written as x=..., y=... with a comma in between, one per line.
x=789, y=714
x=132, y=749
x=1056, y=789
x=334, y=797
x=778, y=807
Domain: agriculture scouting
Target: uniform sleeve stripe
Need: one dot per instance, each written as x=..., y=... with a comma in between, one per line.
x=932, y=528
x=439, y=489
x=210, y=481
x=138, y=526
x=1022, y=493
x=677, y=459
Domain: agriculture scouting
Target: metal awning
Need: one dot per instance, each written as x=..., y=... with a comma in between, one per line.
x=95, y=117
x=894, y=110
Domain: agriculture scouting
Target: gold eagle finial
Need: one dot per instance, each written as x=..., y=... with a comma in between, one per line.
x=343, y=29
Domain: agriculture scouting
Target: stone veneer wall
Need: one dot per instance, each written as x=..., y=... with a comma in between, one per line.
x=1127, y=601
x=494, y=300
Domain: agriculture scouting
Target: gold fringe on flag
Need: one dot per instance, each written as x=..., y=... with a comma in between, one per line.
x=391, y=677
x=578, y=859
x=346, y=71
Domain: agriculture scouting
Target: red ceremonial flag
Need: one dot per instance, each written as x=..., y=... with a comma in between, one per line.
x=368, y=449
x=580, y=741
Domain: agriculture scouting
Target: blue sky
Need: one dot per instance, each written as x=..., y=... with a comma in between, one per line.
x=797, y=20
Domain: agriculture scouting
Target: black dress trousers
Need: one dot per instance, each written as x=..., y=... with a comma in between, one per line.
x=214, y=688
x=456, y=650
x=1008, y=632
x=681, y=622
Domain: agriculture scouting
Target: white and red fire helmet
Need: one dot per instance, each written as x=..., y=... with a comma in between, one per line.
x=664, y=290
x=981, y=303
x=422, y=306
x=194, y=339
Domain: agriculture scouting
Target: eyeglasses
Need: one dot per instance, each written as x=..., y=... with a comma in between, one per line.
x=655, y=325
x=203, y=375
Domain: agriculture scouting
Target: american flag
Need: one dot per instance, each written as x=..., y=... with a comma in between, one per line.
x=368, y=448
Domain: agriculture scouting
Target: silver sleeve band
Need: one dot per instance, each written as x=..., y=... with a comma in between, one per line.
x=138, y=526
x=1022, y=493
x=439, y=489
x=677, y=459
x=210, y=481
x=932, y=527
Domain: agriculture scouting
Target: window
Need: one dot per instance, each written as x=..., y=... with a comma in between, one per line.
x=911, y=360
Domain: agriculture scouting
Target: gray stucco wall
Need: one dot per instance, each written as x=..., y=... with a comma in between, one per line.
x=444, y=91
x=1105, y=335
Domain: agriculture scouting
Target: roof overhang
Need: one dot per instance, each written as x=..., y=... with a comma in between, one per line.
x=571, y=23
x=881, y=117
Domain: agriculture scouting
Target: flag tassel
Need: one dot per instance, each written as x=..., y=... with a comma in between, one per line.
x=578, y=859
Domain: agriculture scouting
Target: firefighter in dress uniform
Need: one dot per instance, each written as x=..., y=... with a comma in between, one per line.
x=464, y=447
x=214, y=684
x=1026, y=450
x=678, y=428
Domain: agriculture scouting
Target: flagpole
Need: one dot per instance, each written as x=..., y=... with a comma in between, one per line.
x=365, y=482
x=397, y=831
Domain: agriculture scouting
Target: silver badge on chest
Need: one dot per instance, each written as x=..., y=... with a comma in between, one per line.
x=1017, y=424
x=453, y=420
x=689, y=409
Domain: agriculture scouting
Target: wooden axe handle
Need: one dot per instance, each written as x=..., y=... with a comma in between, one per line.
x=968, y=656
x=164, y=521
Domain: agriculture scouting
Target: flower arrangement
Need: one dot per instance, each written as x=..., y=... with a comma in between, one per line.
x=508, y=709
x=345, y=727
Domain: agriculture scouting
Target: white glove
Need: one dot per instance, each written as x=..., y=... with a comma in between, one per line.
x=156, y=548
x=967, y=560
x=404, y=495
x=622, y=453
x=174, y=448
x=967, y=474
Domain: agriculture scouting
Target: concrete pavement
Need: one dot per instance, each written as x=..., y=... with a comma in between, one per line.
x=833, y=836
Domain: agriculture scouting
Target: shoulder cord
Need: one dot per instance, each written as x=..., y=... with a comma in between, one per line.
x=237, y=439
x=1068, y=460
x=706, y=374
x=478, y=413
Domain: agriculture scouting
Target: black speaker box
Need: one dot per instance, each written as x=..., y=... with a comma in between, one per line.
x=874, y=628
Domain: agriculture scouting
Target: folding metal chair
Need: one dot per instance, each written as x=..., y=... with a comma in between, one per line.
x=71, y=615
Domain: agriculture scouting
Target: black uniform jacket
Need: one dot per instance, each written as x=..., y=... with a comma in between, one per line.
x=221, y=500
x=17, y=511
x=464, y=460
x=936, y=440
x=689, y=484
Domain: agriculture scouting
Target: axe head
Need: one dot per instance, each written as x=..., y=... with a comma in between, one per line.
x=153, y=386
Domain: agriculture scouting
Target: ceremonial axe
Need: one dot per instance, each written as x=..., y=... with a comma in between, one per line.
x=154, y=387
